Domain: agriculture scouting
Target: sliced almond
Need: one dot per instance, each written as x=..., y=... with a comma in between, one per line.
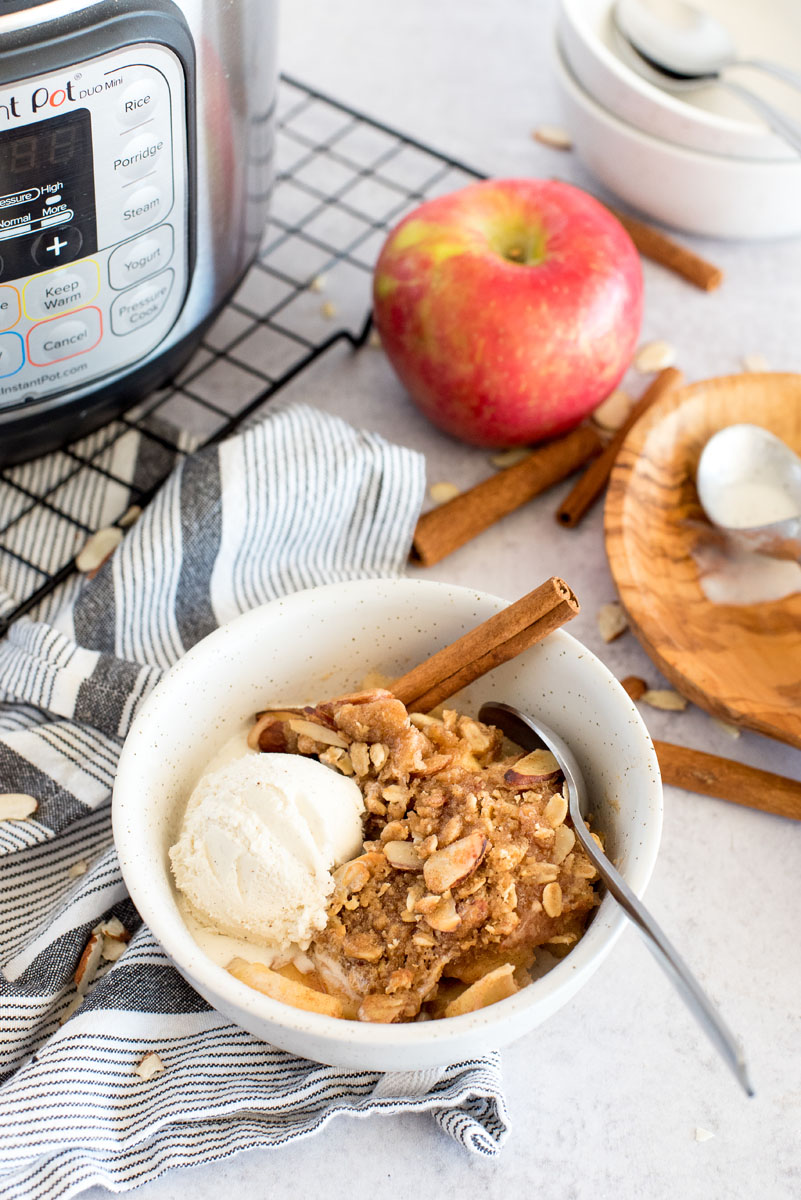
x=441, y=493
x=755, y=362
x=552, y=899
x=612, y=621
x=655, y=356
x=374, y=340
x=318, y=733
x=378, y=754
x=496, y=985
x=733, y=731
x=79, y=868
x=403, y=856
x=328, y=310
x=511, y=457
x=634, y=686
x=353, y=876
x=612, y=412
x=536, y=767
x=563, y=843
x=556, y=810
x=100, y=546
x=130, y=516
x=443, y=916
x=88, y=963
x=553, y=136
x=113, y=928
x=73, y=1006
x=318, y=283
x=365, y=946
x=113, y=948
x=380, y=1008
x=664, y=698
x=447, y=867
x=16, y=806
x=149, y=1067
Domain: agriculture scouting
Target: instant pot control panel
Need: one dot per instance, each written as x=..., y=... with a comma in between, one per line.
x=93, y=218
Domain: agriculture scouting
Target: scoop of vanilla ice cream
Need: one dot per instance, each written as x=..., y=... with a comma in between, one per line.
x=259, y=840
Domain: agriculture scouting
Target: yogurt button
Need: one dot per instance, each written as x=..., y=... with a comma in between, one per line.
x=138, y=155
x=138, y=101
x=143, y=208
x=141, y=258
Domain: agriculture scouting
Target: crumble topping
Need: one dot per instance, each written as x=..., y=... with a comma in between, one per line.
x=469, y=860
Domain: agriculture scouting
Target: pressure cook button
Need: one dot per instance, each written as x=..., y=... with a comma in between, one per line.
x=141, y=258
x=58, y=245
x=141, y=305
x=61, y=290
x=139, y=155
x=143, y=208
x=65, y=337
x=138, y=101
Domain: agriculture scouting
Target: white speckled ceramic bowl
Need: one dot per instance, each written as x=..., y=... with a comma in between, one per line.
x=708, y=194
x=321, y=643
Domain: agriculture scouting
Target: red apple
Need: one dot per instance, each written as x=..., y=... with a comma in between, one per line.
x=509, y=309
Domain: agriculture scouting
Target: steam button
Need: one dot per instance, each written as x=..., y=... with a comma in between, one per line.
x=143, y=208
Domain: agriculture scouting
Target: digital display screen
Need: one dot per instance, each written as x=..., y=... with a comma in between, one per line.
x=47, y=194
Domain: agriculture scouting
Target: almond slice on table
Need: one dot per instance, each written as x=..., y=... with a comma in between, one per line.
x=510, y=457
x=553, y=136
x=17, y=806
x=665, y=699
x=654, y=356
x=612, y=412
x=442, y=492
x=612, y=621
x=634, y=686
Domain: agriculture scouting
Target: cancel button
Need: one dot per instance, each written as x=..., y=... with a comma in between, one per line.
x=140, y=305
x=52, y=341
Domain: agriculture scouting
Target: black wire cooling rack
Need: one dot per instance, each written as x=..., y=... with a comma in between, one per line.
x=342, y=180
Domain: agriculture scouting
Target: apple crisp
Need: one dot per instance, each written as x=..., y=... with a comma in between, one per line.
x=469, y=860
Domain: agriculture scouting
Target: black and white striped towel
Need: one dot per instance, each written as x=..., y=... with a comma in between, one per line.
x=299, y=499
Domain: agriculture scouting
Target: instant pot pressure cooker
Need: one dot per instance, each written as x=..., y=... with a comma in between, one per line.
x=135, y=161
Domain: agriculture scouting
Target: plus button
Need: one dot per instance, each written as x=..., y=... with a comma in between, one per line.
x=57, y=246
x=60, y=246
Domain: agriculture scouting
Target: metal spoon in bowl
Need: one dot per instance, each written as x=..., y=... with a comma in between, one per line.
x=679, y=48
x=749, y=484
x=531, y=734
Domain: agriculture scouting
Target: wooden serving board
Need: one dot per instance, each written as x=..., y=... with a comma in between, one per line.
x=740, y=662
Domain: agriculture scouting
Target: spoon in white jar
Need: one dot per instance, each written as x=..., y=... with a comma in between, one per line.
x=679, y=48
x=749, y=484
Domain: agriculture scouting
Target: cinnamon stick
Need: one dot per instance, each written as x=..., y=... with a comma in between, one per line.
x=710, y=775
x=505, y=635
x=448, y=527
x=592, y=483
x=655, y=245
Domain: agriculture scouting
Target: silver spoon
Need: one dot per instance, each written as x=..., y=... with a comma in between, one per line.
x=679, y=48
x=749, y=484
x=531, y=733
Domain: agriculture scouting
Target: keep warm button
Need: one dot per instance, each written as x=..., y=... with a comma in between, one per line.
x=51, y=341
x=141, y=305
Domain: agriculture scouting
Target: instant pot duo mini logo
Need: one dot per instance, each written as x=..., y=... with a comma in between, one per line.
x=52, y=98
